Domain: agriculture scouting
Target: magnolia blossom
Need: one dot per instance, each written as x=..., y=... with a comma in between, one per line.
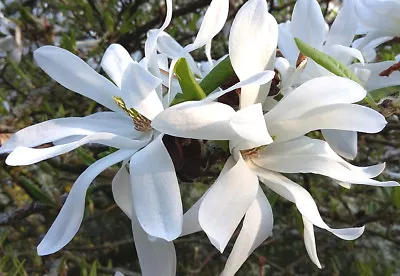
x=335, y=42
x=236, y=192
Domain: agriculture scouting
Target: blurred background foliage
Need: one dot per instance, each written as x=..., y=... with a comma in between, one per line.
x=31, y=197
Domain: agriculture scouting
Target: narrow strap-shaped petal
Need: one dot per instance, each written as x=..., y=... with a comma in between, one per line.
x=376, y=81
x=323, y=90
x=304, y=202
x=115, y=61
x=227, y=201
x=122, y=190
x=350, y=117
x=70, y=217
x=343, y=142
x=138, y=90
x=343, y=53
x=314, y=156
x=257, y=227
x=309, y=241
x=155, y=189
x=53, y=130
x=156, y=256
x=308, y=23
x=286, y=42
x=212, y=24
x=74, y=74
x=22, y=156
x=344, y=27
x=252, y=44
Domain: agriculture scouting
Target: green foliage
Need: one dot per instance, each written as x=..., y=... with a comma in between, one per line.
x=190, y=87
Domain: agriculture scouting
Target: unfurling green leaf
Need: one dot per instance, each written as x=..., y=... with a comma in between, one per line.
x=329, y=63
x=190, y=87
x=217, y=76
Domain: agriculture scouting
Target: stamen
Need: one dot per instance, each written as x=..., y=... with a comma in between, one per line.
x=141, y=123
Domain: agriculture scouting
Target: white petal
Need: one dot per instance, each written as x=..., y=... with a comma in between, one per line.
x=138, y=89
x=344, y=54
x=22, y=156
x=122, y=191
x=309, y=241
x=213, y=121
x=252, y=44
x=323, y=90
x=57, y=129
x=256, y=80
x=343, y=142
x=196, y=119
x=168, y=45
x=350, y=117
x=286, y=42
x=155, y=189
x=115, y=61
x=250, y=125
x=375, y=81
x=191, y=222
x=257, y=226
x=308, y=23
x=213, y=22
x=344, y=27
x=314, y=156
x=70, y=217
x=156, y=256
x=226, y=202
x=74, y=74
x=304, y=202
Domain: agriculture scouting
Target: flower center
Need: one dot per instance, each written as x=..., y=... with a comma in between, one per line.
x=141, y=123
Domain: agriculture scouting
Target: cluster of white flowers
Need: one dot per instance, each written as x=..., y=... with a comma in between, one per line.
x=267, y=135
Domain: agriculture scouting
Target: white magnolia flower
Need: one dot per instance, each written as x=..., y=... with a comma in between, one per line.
x=155, y=197
x=236, y=192
x=335, y=42
x=379, y=20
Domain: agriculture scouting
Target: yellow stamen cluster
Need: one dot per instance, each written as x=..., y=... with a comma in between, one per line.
x=141, y=123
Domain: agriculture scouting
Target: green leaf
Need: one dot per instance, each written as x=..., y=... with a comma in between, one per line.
x=217, y=76
x=385, y=92
x=332, y=65
x=396, y=197
x=190, y=87
x=329, y=63
x=35, y=192
x=86, y=157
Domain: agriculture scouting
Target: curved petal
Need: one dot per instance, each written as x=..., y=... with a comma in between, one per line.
x=304, y=202
x=156, y=256
x=309, y=241
x=344, y=27
x=348, y=117
x=22, y=156
x=213, y=121
x=213, y=22
x=256, y=80
x=252, y=44
x=376, y=81
x=138, y=89
x=122, y=190
x=343, y=53
x=343, y=142
x=226, y=202
x=70, y=217
x=155, y=189
x=308, y=23
x=323, y=90
x=257, y=227
x=74, y=74
x=314, y=156
x=115, y=61
x=286, y=42
x=53, y=130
